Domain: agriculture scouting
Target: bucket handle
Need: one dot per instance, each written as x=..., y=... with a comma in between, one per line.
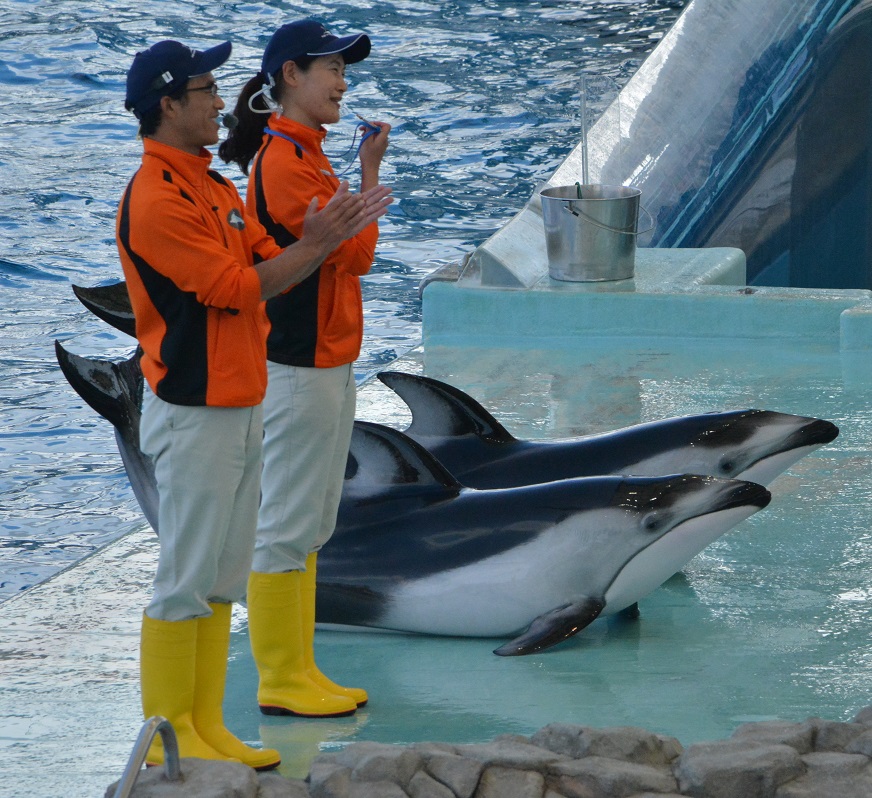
x=569, y=209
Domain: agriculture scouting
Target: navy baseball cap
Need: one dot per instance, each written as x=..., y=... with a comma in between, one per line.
x=165, y=67
x=308, y=37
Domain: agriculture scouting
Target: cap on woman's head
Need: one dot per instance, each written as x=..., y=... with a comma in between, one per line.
x=308, y=37
x=165, y=67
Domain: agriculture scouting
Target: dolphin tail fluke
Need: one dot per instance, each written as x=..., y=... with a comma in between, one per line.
x=110, y=303
x=553, y=627
x=440, y=409
x=114, y=390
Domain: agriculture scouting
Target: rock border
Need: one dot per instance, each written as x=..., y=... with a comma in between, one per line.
x=769, y=759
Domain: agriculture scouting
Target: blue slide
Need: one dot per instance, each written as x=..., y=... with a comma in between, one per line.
x=748, y=126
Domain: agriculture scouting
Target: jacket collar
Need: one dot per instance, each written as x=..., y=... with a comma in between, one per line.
x=309, y=138
x=192, y=168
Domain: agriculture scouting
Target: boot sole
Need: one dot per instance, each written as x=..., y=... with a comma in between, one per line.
x=273, y=710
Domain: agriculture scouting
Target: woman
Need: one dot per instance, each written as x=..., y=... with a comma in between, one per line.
x=317, y=328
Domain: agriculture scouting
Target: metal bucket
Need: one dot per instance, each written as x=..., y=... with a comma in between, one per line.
x=590, y=231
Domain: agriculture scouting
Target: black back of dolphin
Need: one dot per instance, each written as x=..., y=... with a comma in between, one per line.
x=482, y=454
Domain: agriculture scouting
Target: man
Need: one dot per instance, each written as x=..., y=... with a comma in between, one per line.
x=198, y=270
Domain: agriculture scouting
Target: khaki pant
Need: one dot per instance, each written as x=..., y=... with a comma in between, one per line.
x=308, y=420
x=207, y=463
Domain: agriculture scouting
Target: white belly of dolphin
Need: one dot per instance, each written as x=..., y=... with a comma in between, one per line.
x=500, y=595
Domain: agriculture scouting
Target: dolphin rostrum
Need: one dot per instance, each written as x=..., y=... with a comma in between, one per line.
x=756, y=445
x=415, y=550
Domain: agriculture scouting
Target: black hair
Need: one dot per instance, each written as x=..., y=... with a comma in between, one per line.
x=150, y=120
x=243, y=142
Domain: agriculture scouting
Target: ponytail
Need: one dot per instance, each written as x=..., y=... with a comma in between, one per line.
x=243, y=142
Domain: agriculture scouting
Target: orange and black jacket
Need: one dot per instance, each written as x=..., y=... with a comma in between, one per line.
x=318, y=322
x=188, y=248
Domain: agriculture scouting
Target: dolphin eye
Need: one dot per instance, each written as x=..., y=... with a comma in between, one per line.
x=727, y=466
x=651, y=522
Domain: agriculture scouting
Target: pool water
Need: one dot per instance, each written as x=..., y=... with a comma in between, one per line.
x=770, y=621
x=483, y=96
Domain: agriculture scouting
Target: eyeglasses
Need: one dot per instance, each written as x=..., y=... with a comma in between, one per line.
x=211, y=88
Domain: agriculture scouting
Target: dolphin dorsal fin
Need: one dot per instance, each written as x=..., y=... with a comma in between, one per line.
x=441, y=410
x=380, y=455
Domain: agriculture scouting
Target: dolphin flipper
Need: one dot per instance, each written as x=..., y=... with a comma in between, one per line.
x=440, y=409
x=114, y=390
x=553, y=627
x=110, y=303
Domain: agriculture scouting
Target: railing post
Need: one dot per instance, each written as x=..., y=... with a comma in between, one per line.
x=154, y=725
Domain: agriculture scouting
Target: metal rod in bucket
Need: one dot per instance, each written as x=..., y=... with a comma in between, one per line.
x=584, y=177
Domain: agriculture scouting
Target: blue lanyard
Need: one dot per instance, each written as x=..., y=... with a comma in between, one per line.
x=270, y=132
x=372, y=130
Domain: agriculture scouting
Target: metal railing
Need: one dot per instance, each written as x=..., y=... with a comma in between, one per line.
x=154, y=725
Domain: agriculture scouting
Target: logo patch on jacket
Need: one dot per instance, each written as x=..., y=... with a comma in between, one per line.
x=235, y=220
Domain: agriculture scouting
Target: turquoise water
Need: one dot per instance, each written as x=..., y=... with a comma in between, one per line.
x=483, y=97
x=770, y=621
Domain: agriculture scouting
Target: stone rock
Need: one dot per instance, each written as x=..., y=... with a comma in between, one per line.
x=831, y=774
x=864, y=716
x=424, y=786
x=272, y=785
x=628, y=743
x=833, y=736
x=431, y=749
x=379, y=762
x=510, y=754
x=459, y=774
x=861, y=744
x=799, y=736
x=500, y=782
x=376, y=789
x=597, y=777
x=564, y=738
x=736, y=769
x=201, y=778
x=657, y=795
x=326, y=779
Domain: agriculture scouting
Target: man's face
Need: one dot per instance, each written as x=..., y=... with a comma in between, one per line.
x=194, y=117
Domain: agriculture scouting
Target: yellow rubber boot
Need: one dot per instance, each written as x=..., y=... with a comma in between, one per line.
x=307, y=605
x=168, y=651
x=274, y=627
x=213, y=645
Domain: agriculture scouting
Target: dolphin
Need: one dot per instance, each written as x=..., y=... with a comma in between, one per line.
x=415, y=550
x=755, y=445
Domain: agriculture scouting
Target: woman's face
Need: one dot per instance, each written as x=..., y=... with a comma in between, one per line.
x=315, y=95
